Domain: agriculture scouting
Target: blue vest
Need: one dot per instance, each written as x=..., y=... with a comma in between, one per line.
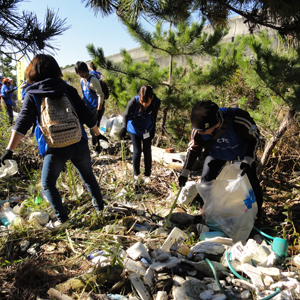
x=141, y=121
x=90, y=98
x=96, y=74
x=229, y=146
x=6, y=96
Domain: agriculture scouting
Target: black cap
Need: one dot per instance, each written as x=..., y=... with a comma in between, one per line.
x=204, y=115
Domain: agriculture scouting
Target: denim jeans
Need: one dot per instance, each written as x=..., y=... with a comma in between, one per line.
x=54, y=162
x=137, y=151
x=94, y=140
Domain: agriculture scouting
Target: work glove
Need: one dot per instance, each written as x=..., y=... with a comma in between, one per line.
x=182, y=180
x=101, y=137
x=246, y=164
x=7, y=155
x=99, y=117
x=122, y=133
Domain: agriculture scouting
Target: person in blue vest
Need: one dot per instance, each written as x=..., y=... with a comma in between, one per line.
x=45, y=75
x=139, y=120
x=6, y=92
x=239, y=142
x=94, y=71
x=93, y=96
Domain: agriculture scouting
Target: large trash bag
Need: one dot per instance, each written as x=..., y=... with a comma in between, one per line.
x=229, y=203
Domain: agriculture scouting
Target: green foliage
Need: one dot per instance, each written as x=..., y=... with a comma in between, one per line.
x=6, y=67
x=176, y=86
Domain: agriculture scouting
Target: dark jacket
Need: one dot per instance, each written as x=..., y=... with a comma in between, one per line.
x=54, y=88
x=241, y=135
x=132, y=114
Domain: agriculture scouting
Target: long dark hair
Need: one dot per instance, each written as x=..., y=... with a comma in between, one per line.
x=146, y=92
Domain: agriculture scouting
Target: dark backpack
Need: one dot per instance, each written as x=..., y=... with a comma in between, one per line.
x=104, y=87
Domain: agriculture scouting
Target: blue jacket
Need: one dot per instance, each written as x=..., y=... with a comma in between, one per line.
x=90, y=97
x=55, y=88
x=6, y=94
x=138, y=121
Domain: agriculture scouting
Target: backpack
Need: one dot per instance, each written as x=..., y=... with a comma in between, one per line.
x=104, y=87
x=59, y=122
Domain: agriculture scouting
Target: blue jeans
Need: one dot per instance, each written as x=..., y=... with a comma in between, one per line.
x=137, y=151
x=54, y=162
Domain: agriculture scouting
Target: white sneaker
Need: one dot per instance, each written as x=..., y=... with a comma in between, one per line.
x=137, y=178
x=147, y=179
x=57, y=224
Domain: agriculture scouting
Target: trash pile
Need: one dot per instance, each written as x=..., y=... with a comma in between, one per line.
x=180, y=259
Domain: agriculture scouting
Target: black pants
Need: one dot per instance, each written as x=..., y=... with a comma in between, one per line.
x=137, y=151
x=212, y=168
x=9, y=111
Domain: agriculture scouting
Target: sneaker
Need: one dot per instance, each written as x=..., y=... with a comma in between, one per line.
x=137, y=177
x=57, y=224
x=94, y=154
x=147, y=179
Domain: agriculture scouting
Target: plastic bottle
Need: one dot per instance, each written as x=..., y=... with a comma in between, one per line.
x=12, y=217
x=4, y=220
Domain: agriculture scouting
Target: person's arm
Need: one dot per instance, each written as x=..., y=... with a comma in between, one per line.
x=14, y=141
x=131, y=106
x=96, y=87
x=154, y=116
x=245, y=126
x=194, y=149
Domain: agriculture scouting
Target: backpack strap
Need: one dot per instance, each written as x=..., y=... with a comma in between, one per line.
x=227, y=119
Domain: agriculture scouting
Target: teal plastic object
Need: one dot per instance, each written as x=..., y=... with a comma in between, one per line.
x=280, y=247
x=211, y=234
x=4, y=221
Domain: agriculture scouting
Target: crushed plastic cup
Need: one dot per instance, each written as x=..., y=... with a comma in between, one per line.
x=10, y=168
x=104, y=144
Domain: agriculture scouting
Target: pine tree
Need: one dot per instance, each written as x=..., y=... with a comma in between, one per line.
x=282, y=16
x=178, y=87
x=6, y=67
x=22, y=33
x=275, y=74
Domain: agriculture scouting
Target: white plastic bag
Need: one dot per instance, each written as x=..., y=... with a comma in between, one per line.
x=229, y=203
x=188, y=193
x=115, y=125
x=10, y=168
x=103, y=124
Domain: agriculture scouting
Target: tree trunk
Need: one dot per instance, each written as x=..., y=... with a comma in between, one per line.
x=274, y=140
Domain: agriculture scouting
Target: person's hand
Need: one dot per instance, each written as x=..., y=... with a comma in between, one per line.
x=99, y=117
x=7, y=155
x=182, y=180
x=246, y=164
x=122, y=133
x=101, y=137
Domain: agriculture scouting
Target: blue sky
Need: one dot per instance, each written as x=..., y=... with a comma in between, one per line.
x=105, y=32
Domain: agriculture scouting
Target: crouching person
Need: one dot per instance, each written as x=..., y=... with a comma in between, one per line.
x=223, y=134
